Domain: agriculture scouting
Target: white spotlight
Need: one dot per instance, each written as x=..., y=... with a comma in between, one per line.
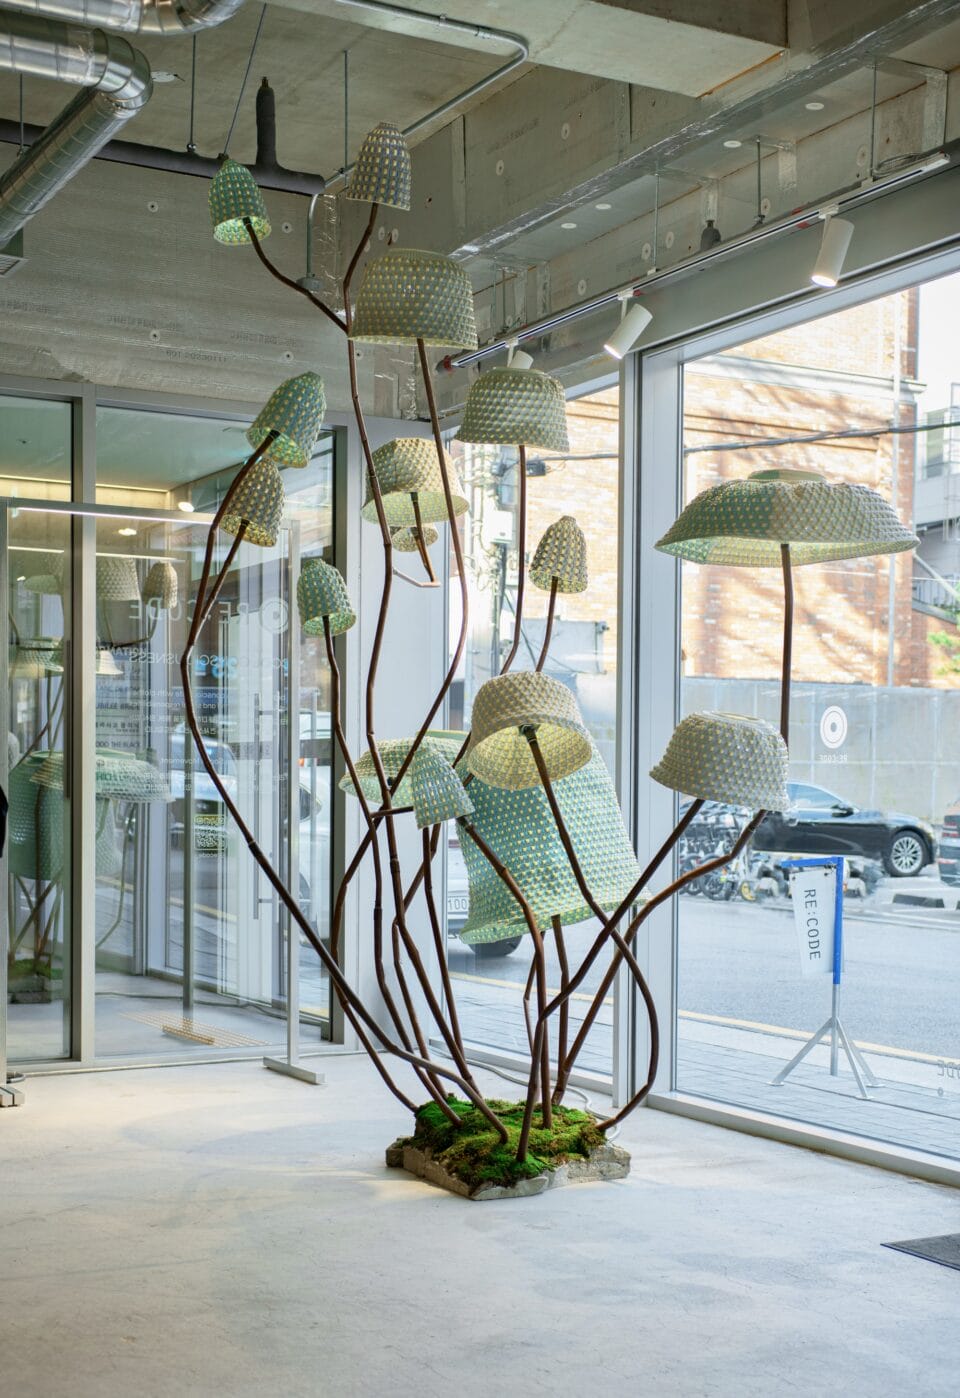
x=632, y=325
x=518, y=358
x=187, y=506
x=837, y=233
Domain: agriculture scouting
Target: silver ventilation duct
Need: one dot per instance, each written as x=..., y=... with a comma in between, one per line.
x=132, y=16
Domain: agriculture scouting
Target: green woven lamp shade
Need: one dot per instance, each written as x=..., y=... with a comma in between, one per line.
x=44, y=584
x=382, y=172
x=258, y=504
x=235, y=196
x=727, y=757
x=295, y=411
x=118, y=776
x=520, y=829
x=499, y=753
x=405, y=540
x=743, y=523
x=35, y=659
x=561, y=556
x=408, y=295
x=409, y=466
x=436, y=792
x=42, y=572
x=322, y=592
x=516, y=407
x=117, y=579
x=160, y=586
x=36, y=822
x=393, y=752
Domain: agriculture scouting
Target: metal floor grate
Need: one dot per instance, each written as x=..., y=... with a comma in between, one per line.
x=195, y=1031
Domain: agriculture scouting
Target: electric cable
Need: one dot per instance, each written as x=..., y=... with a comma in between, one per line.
x=243, y=85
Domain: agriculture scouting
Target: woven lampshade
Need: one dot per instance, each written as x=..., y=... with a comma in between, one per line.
x=36, y=658
x=259, y=504
x=45, y=584
x=322, y=592
x=234, y=196
x=382, y=172
x=117, y=579
x=160, y=586
x=43, y=571
x=520, y=829
x=407, y=295
x=436, y=792
x=562, y=555
x=118, y=776
x=294, y=410
x=36, y=827
x=393, y=752
x=516, y=407
x=107, y=663
x=743, y=523
x=727, y=757
x=406, y=465
x=405, y=540
x=499, y=753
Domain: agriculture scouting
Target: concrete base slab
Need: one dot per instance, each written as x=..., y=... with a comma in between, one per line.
x=607, y=1162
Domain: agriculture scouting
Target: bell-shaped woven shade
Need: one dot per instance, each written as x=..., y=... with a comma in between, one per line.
x=382, y=172
x=258, y=504
x=436, y=792
x=561, y=555
x=743, y=523
x=727, y=757
x=499, y=753
x=36, y=827
x=294, y=410
x=393, y=752
x=516, y=407
x=119, y=776
x=107, y=663
x=405, y=466
x=117, y=579
x=407, y=295
x=35, y=659
x=322, y=592
x=235, y=196
x=405, y=540
x=520, y=829
x=160, y=586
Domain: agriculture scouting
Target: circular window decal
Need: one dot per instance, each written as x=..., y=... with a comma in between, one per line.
x=833, y=727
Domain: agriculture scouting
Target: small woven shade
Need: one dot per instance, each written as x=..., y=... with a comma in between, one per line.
x=116, y=579
x=407, y=465
x=118, y=776
x=516, y=407
x=500, y=755
x=160, y=586
x=35, y=659
x=382, y=172
x=407, y=295
x=107, y=663
x=259, y=504
x=561, y=554
x=46, y=584
x=36, y=827
x=393, y=752
x=743, y=523
x=436, y=792
x=520, y=829
x=294, y=410
x=405, y=540
x=234, y=196
x=727, y=757
x=322, y=592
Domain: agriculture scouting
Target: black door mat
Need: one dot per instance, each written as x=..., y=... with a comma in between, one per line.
x=945, y=1250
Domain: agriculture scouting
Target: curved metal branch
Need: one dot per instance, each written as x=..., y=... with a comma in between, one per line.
x=288, y=281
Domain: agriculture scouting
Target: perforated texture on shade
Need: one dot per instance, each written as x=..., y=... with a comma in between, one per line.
x=561, y=554
x=118, y=776
x=117, y=579
x=406, y=465
x=499, y=753
x=322, y=592
x=743, y=523
x=408, y=295
x=405, y=540
x=382, y=172
x=520, y=829
x=436, y=792
x=294, y=410
x=46, y=584
x=393, y=752
x=235, y=195
x=727, y=757
x=516, y=407
x=259, y=502
x=160, y=586
x=35, y=658
x=36, y=826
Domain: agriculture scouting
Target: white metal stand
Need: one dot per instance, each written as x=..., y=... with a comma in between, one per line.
x=833, y=1028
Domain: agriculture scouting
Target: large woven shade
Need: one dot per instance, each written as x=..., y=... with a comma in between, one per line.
x=405, y=540
x=160, y=586
x=382, y=172
x=117, y=579
x=234, y=196
x=393, y=752
x=743, y=523
x=36, y=827
x=295, y=411
x=44, y=584
x=35, y=659
x=727, y=757
x=516, y=407
x=43, y=571
x=561, y=556
x=259, y=504
x=520, y=829
x=407, y=295
x=118, y=776
x=499, y=753
x=408, y=466
x=436, y=792
x=322, y=592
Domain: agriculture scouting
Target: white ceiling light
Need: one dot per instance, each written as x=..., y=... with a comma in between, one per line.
x=518, y=358
x=837, y=233
x=732, y=144
x=603, y=207
x=186, y=505
x=568, y=225
x=814, y=106
x=127, y=533
x=632, y=325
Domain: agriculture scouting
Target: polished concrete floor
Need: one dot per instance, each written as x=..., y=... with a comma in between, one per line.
x=220, y=1230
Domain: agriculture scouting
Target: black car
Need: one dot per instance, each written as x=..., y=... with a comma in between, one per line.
x=820, y=822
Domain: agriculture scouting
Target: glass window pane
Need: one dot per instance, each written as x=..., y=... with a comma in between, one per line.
x=35, y=453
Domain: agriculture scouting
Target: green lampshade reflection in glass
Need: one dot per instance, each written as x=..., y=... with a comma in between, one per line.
x=119, y=776
x=117, y=579
x=160, y=586
x=405, y=540
x=407, y=295
x=516, y=407
x=235, y=196
x=295, y=412
x=258, y=504
x=409, y=466
x=382, y=172
x=322, y=592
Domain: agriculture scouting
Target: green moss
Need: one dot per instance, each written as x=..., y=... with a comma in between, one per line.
x=475, y=1154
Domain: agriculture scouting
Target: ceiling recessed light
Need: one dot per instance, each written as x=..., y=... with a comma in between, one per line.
x=568, y=225
x=22, y=577
x=603, y=207
x=814, y=106
x=186, y=505
x=127, y=533
x=162, y=75
x=732, y=144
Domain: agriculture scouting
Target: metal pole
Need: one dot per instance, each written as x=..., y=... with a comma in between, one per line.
x=9, y=1096
x=189, y=856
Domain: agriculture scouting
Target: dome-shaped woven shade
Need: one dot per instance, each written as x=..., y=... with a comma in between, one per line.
x=744, y=522
x=45, y=584
x=516, y=407
x=520, y=829
x=35, y=659
x=160, y=586
x=405, y=540
x=406, y=465
x=118, y=776
x=562, y=555
x=393, y=752
x=322, y=592
x=234, y=196
x=294, y=410
x=499, y=753
x=436, y=792
x=408, y=295
x=259, y=504
x=382, y=172
x=727, y=757
x=116, y=579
